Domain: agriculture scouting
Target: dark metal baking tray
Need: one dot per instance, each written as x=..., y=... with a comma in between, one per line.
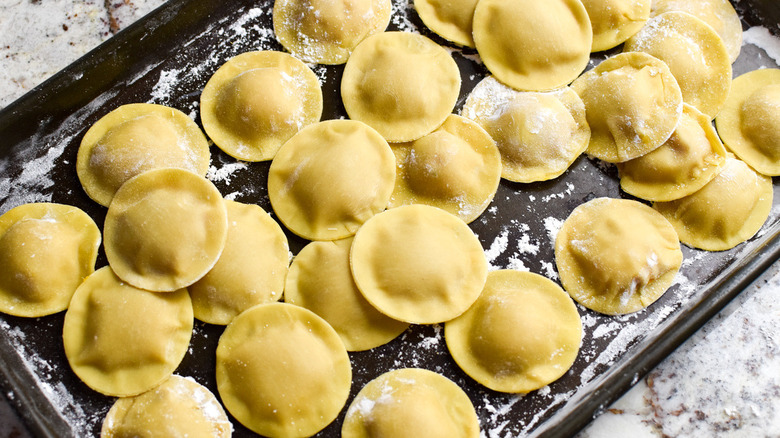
x=167, y=57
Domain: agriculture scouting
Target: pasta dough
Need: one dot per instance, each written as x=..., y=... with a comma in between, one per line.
x=616, y=256
x=46, y=250
x=256, y=101
x=614, y=21
x=523, y=333
x=450, y=19
x=135, y=138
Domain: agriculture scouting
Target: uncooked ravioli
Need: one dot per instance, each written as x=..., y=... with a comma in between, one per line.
x=256, y=101
x=327, y=31
x=135, y=138
x=616, y=256
x=632, y=103
x=450, y=19
x=46, y=251
x=538, y=134
x=614, y=21
x=411, y=402
x=402, y=84
x=533, y=45
x=457, y=168
x=251, y=269
x=523, y=333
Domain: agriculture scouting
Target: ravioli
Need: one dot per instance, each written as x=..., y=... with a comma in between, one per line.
x=282, y=371
x=691, y=157
x=729, y=210
x=380, y=89
x=180, y=406
x=450, y=19
x=539, y=135
x=553, y=36
x=411, y=402
x=457, y=168
x=121, y=340
x=695, y=55
x=251, y=269
x=326, y=31
x=614, y=21
x=135, y=138
x=632, y=103
x=749, y=123
x=46, y=250
x=256, y=101
x=418, y=264
x=165, y=229
x=330, y=178
x=616, y=256
x=523, y=333
x=320, y=280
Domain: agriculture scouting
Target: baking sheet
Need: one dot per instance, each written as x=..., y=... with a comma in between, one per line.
x=167, y=57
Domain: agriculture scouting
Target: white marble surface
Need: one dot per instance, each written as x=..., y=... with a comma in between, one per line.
x=724, y=381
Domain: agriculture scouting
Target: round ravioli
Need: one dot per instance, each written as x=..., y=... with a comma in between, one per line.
x=165, y=229
x=320, y=280
x=614, y=21
x=121, y=340
x=402, y=103
x=719, y=14
x=251, y=269
x=457, y=168
x=46, y=251
x=749, y=123
x=533, y=45
x=632, y=103
x=523, y=333
x=616, y=256
x=282, y=371
x=135, y=138
x=450, y=19
x=695, y=55
x=418, y=264
x=327, y=31
x=691, y=157
x=256, y=101
x=411, y=402
x=180, y=406
x=539, y=135
x=729, y=210
x=330, y=178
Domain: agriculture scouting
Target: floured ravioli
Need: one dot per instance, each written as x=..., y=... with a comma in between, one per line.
x=411, y=402
x=691, y=157
x=135, y=138
x=719, y=14
x=523, y=333
x=614, y=21
x=533, y=45
x=418, y=264
x=256, y=101
x=695, y=55
x=282, y=371
x=165, y=229
x=380, y=87
x=616, y=256
x=457, y=168
x=251, y=269
x=632, y=103
x=320, y=280
x=179, y=407
x=121, y=340
x=330, y=178
x=539, y=135
x=46, y=251
x=450, y=19
x=327, y=31
x=749, y=123
x=729, y=210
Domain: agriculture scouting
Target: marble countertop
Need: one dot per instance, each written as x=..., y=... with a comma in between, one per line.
x=724, y=381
